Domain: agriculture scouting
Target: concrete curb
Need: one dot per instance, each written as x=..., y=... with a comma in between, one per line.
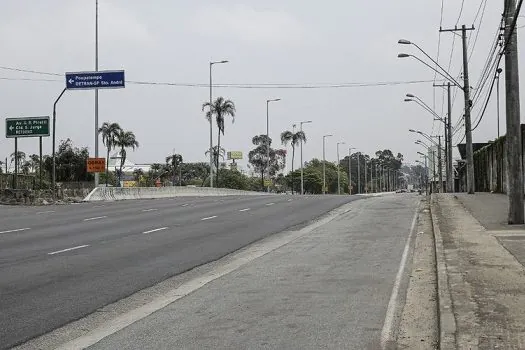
x=447, y=321
x=130, y=193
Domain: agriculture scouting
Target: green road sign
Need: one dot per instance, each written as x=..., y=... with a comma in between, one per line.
x=26, y=127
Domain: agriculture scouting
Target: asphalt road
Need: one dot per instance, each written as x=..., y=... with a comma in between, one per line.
x=60, y=263
x=335, y=287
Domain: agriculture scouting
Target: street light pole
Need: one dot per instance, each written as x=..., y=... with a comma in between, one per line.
x=350, y=187
x=324, y=162
x=359, y=173
x=96, y=90
x=268, y=139
x=211, y=121
x=338, y=171
x=302, y=165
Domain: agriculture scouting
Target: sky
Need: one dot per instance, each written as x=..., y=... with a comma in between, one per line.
x=310, y=43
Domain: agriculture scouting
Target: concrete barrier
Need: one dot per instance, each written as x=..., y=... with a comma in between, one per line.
x=129, y=193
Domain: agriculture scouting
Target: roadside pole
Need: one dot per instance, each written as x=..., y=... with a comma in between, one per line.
x=53, y=178
x=16, y=164
x=512, y=86
x=40, y=160
x=440, y=166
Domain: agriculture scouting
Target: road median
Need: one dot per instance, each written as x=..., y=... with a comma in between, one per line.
x=130, y=193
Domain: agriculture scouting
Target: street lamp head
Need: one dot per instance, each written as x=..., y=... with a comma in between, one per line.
x=410, y=95
x=404, y=42
x=408, y=100
x=421, y=153
x=329, y=135
x=273, y=100
x=403, y=55
x=306, y=122
x=412, y=130
x=224, y=61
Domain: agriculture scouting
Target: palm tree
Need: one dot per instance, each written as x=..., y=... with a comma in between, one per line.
x=109, y=133
x=217, y=154
x=294, y=139
x=19, y=159
x=175, y=161
x=220, y=108
x=125, y=139
x=137, y=174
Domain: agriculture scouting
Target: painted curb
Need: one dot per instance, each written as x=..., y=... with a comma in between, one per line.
x=447, y=321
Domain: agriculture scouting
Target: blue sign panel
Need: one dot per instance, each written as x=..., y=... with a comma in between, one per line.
x=95, y=80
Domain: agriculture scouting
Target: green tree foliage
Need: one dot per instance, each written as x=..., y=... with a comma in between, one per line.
x=313, y=178
x=124, y=140
x=174, y=161
x=71, y=163
x=220, y=108
x=109, y=132
x=258, y=157
x=294, y=139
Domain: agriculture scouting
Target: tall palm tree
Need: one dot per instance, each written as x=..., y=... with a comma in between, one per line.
x=220, y=108
x=294, y=139
x=125, y=139
x=109, y=133
x=175, y=161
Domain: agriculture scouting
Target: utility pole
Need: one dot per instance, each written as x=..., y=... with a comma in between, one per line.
x=350, y=169
x=358, y=173
x=96, y=92
x=468, y=107
x=512, y=87
x=366, y=181
x=448, y=140
x=440, y=166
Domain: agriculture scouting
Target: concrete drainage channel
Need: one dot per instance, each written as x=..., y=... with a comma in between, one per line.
x=129, y=193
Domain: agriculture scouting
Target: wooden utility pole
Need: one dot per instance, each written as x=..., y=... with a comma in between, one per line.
x=513, y=138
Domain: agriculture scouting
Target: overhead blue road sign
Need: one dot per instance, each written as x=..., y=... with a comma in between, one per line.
x=95, y=80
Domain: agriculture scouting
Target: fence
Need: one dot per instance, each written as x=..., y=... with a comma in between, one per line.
x=23, y=182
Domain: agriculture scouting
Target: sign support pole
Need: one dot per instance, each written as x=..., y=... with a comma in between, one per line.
x=16, y=163
x=40, y=167
x=53, y=183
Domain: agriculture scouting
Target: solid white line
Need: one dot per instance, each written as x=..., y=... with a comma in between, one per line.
x=45, y=212
x=96, y=218
x=148, y=210
x=68, y=249
x=155, y=230
x=289, y=200
x=16, y=230
x=269, y=204
x=99, y=206
x=245, y=209
x=387, y=333
x=209, y=218
x=185, y=205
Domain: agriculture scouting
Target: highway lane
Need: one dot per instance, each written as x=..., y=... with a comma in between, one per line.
x=75, y=259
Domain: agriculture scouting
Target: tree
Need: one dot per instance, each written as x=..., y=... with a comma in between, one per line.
x=258, y=157
x=70, y=163
x=125, y=139
x=218, y=153
x=195, y=173
x=137, y=174
x=294, y=139
x=18, y=158
x=175, y=161
x=109, y=133
x=220, y=108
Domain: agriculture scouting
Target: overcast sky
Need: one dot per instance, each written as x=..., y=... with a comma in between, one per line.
x=272, y=41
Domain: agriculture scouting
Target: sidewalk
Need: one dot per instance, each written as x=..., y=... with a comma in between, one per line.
x=482, y=279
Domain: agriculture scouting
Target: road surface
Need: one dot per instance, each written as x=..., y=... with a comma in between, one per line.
x=60, y=263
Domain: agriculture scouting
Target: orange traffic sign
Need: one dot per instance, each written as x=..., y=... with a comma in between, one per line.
x=96, y=165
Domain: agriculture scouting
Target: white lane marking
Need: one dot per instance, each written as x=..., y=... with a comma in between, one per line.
x=99, y=206
x=245, y=209
x=45, y=212
x=394, y=305
x=96, y=218
x=269, y=204
x=68, y=249
x=185, y=205
x=209, y=218
x=238, y=260
x=148, y=210
x=155, y=230
x=289, y=200
x=15, y=230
